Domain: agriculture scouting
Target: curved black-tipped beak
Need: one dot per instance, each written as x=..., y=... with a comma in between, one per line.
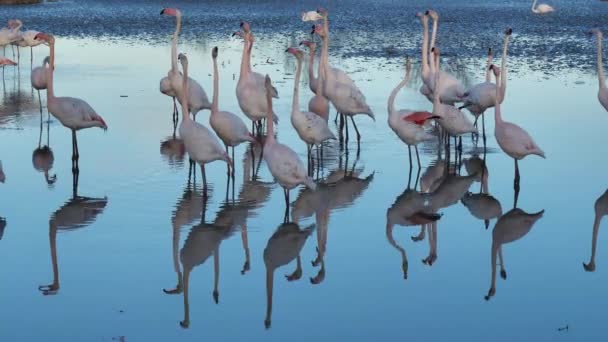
x=241, y=24
x=233, y=34
x=426, y=12
x=509, y=31
x=313, y=30
x=162, y=12
x=286, y=50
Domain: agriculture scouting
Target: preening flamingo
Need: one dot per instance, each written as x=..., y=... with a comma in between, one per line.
x=73, y=113
x=172, y=85
x=318, y=104
x=510, y=227
x=283, y=163
x=512, y=139
x=407, y=124
x=38, y=79
x=601, y=209
x=346, y=97
x=602, y=94
x=27, y=39
x=229, y=128
x=311, y=128
x=250, y=90
x=542, y=8
x=201, y=144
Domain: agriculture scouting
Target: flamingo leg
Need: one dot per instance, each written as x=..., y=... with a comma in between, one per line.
x=216, y=273
x=40, y=103
x=516, y=183
x=204, y=180
x=232, y=168
x=336, y=118
x=246, y=266
x=418, y=157
x=356, y=130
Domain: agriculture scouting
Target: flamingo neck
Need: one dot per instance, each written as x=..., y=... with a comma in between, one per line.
x=269, y=287
x=53, y=243
x=269, y=122
x=244, y=68
x=391, y=99
x=178, y=25
x=295, y=106
x=50, y=71
x=249, y=48
x=488, y=71
x=600, y=64
x=436, y=92
x=216, y=81
x=425, y=47
x=184, y=96
x=534, y=5
x=497, y=113
x=311, y=67
x=433, y=35
x=503, y=69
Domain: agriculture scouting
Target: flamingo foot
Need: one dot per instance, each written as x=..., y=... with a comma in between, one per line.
x=503, y=274
x=216, y=297
x=246, y=268
x=296, y=275
x=49, y=290
x=491, y=293
x=184, y=324
x=590, y=267
x=177, y=290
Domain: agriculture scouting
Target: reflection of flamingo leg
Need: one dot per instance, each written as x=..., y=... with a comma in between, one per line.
x=216, y=274
x=179, y=287
x=420, y=235
x=503, y=272
x=269, y=286
x=54, y=287
x=392, y=242
x=245, y=240
x=590, y=267
x=186, y=322
x=492, y=290
x=297, y=274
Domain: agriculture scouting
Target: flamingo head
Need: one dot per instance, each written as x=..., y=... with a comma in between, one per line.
x=311, y=16
x=268, y=83
x=432, y=14
x=46, y=61
x=597, y=32
x=6, y=61
x=172, y=12
x=14, y=24
x=183, y=60
x=311, y=45
x=214, y=53
x=245, y=26
x=322, y=12
x=508, y=31
x=45, y=37
x=238, y=33
x=489, y=52
x=319, y=30
x=296, y=52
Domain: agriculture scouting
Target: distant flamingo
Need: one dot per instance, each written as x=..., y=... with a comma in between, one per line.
x=407, y=124
x=197, y=98
x=27, y=39
x=311, y=128
x=10, y=34
x=542, y=8
x=230, y=128
x=250, y=91
x=601, y=209
x=73, y=113
x=318, y=104
x=283, y=163
x=602, y=94
x=201, y=144
x=512, y=139
x=38, y=78
x=4, y=62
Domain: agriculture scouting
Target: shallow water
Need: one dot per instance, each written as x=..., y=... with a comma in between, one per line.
x=135, y=213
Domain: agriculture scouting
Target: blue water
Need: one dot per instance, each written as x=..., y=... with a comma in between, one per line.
x=117, y=247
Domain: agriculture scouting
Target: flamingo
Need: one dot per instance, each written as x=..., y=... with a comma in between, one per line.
x=407, y=124
x=282, y=247
x=43, y=158
x=452, y=90
x=201, y=144
x=452, y=120
x=311, y=128
x=346, y=97
x=230, y=128
x=2, y=175
x=73, y=113
x=318, y=104
x=601, y=209
x=38, y=79
x=602, y=94
x=10, y=34
x=542, y=8
x=510, y=227
x=250, y=91
x=197, y=98
x=512, y=139
x=482, y=206
x=480, y=97
x=283, y=163
x=27, y=39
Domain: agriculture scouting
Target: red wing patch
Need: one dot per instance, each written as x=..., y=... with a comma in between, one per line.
x=418, y=118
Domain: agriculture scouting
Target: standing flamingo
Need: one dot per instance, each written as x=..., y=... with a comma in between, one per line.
x=27, y=39
x=196, y=96
x=283, y=163
x=10, y=34
x=602, y=94
x=201, y=144
x=38, y=78
x=542, y=8
x=250, y=91
x=601, y=209
x=407, y=124
x=318, y=104
x=311, y=128
x=73, y=113
x=229, y=127
x=512, y=139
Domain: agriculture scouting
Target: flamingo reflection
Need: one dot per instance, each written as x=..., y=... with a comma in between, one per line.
x=601, y=209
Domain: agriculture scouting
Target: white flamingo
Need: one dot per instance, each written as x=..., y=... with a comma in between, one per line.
x=10, y=34
x=38, y=79
x=512, y=139
x=283, y=163
x=602, y=94
x=250, y=91
x=4, y=62
x=318, y=104
x=510, y=227
x=229, y=128
x=73, y=113
x=311, y=128
x=346, y=97
x=197, y=98
x=201, y=144
x=542, y=8
x=407, y=124
x=601, y=209
x=27, y=39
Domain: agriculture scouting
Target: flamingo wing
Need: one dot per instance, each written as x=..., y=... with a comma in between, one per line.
x=418, y=118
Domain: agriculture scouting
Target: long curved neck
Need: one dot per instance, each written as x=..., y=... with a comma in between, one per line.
x=269, y=121
x=311, y=66
x=249, y=48
x=178, y=26
x=244, y=60
x=425, y=46
x=436, y=92
x=325, y=49
x=50, y=71
x=534, y=5
x=600, y=64
x=503, y=69
x=184, y=98
x=488, y=71
x=391, y=99
x=497, y=113
x=434, y=34
x=295, y=106
x=216, y=85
